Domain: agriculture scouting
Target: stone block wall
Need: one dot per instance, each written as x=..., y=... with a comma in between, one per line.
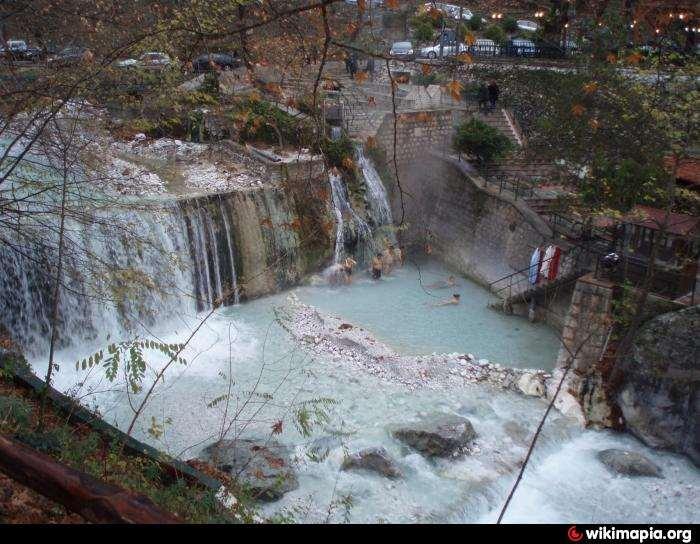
x=416, y=133
x=587, y=323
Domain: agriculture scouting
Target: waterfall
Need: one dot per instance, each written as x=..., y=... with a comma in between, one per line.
x=213, y=251
x=130, y=264
x=336, y=191
x=377, y=198
x=351, y=230
x=231, y=249
x=121, y=269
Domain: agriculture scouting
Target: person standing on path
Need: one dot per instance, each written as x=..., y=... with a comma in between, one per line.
x=494, y=93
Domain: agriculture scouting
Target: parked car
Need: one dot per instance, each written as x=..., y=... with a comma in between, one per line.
x=370, y=3
x=402, y=50
x=527, y=26
x=152, y=60
x=522, y=48
x=68, y=55
x=218, y=61
x=448, y=50
x=450, y=10
x=570, y=46
x=483, y=47
x=19, y=50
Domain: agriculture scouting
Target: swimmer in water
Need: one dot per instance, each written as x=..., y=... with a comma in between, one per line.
x=451, y=282
x=452, y=301
x=398, y=256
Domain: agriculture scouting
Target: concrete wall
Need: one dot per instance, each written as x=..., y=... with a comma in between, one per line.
x=481, y=234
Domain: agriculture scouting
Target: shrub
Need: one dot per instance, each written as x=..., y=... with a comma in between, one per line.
x=510, y=25
x=462, y=31
x=265, y=122
x=339, y=151
x=495, y=33
x=475, y=23
x=482, y=141
x=15, y=410
x=433, y=78
x=423, y=32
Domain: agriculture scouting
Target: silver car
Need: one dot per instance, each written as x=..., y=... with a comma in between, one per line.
x=527, y=26
x=448, y=50
x=402, y=50
x=152, y=60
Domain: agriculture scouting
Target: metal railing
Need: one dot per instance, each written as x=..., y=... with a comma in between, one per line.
x=517, y=186
x=572, y=264
x=664, y=282
x=509, y=50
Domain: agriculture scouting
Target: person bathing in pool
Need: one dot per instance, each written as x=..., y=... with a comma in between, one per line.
x=377, y=267
x=348, y=266
x=450, y=282
x=452, y=301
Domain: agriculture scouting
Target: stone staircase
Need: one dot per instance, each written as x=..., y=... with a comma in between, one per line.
x=502, y=121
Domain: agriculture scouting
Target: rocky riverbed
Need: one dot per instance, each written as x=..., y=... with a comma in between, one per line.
x=330, y=335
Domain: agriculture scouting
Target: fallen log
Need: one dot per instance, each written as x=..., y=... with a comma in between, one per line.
x=93, y=499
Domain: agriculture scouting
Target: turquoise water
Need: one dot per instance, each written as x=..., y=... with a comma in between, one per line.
x=271, y=375
x=400, y=311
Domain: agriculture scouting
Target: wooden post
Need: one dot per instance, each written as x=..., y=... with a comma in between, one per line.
x=93, y=499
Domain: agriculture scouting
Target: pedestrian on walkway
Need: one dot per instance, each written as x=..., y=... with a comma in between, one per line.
x=353, y=65
x=494, y=93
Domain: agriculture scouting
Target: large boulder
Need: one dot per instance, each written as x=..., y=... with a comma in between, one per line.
x=441, y=435
x=628, y=463
x=262, y=466
x=659, y=396
x=373, y=459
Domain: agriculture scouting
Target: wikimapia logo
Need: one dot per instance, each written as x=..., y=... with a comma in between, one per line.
x=628, y=534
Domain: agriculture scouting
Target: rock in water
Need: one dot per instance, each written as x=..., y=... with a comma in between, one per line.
x=374, y=459
x=628, y=463
x=532, y=385
x=660, y=393
x=441, y=435
x=262, y=466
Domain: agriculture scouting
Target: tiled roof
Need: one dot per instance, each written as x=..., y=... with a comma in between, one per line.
x=688, y=170
x=654, y=218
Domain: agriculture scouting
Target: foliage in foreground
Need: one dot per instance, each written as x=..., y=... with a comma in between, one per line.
x=476, y=138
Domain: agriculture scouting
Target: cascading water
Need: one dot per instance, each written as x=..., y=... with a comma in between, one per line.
x=120, y=269
x=351, y=229
x=377, y=198
x=213, y=251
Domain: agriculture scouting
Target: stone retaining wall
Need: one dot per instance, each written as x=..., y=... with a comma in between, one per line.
x=416, y=132
x=471, y=228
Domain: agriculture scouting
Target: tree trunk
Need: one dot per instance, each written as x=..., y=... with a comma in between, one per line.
x=94, y=500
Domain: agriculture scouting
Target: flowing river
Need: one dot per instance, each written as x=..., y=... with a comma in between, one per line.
x=564, y=481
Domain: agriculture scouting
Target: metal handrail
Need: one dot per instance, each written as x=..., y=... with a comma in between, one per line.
x=522, y=271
